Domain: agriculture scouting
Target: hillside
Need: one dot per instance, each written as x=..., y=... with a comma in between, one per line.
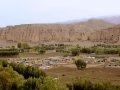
x=39, y=33
x=108, y=35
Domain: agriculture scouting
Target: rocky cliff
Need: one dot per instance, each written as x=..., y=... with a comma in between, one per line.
x=108, y=35
x=91, y=30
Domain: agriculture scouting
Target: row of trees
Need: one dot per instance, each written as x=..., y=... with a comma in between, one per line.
x=97, y=50
x=42, y=48
x=107, y=46
x=9, y=52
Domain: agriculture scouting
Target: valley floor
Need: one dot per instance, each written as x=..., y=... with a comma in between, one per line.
x=67, y=74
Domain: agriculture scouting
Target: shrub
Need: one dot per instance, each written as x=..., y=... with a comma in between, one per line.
x=81, y=84
x=28, y=71
x=9, y=52
x=19, y=45
x=4, y=63
x=80, y=64
x=10, y=80
x=42, y=51
x=32, y=84
x=75, y=51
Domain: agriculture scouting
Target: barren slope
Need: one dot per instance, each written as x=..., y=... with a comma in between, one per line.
x=38, y=33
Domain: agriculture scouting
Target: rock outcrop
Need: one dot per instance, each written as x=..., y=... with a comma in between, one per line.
x=92, y=30
x=108, y=35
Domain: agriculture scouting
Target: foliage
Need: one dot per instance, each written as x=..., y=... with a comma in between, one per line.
x=75, y=51
x=4, y=63
x=32, y=84
x=60, y=48
x=52, y=84
x=10, y=80
x=48, y=84
x=9, y=52
x=42, y=51
x=19, y=45
x=28, y=71
x=86, y=50
x=101, y=49
x=36, y=48
x=80, y=64
x=81, y=84
x=24, y=47
x=49, y=47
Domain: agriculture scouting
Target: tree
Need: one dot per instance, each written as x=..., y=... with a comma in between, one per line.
x=80, y=64
x=19, y=45
x=42, y=51
x=32, y=84
x=36, y=48
x=86, y=50
x=4, y=63
x=9, y=79
x=8, y=52
x=33, y=72
x=75, y=51
x=25, y=46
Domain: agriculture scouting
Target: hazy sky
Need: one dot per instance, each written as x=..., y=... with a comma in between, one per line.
x=51, y=11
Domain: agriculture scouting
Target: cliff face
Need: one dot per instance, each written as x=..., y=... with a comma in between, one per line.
x=108, y=35
x=91, y=30
x=42, y=33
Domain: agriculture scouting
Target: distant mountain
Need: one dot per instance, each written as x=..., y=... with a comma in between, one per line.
x=93, y=24
x=113, y=19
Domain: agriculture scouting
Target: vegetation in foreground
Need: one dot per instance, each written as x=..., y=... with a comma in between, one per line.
x=19, y=77
x=82, y=84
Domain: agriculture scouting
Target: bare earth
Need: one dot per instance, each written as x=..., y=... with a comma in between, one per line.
x=67, y=74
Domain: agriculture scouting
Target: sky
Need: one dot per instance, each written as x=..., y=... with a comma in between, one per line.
x=14, y=12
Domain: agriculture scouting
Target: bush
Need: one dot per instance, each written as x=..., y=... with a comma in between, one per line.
x=52, y=84
x=42, y=51
x=19, y=45
x=75, y=51
x=10, y=80
x=28, y=71
x=32, y=84
x=9, y=52
x=4, y=63
x=81, y=84
x=35, y=79
x=80, y=64
x=86, y=50
x=34, y=72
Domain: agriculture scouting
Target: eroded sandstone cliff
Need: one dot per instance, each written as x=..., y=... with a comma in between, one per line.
x=108, y=35
x=92, y=30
